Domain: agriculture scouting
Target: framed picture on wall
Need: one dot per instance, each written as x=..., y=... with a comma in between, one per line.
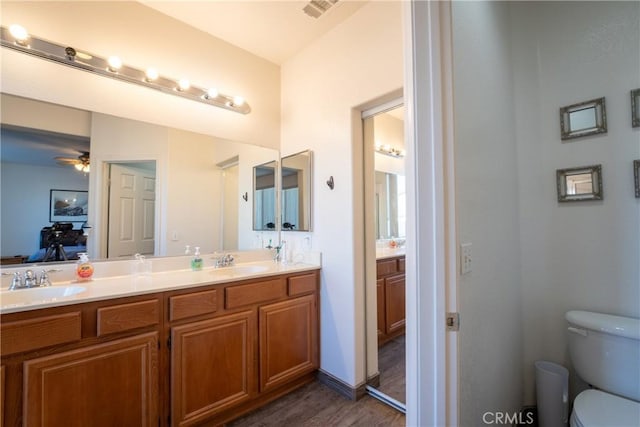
x=68, y=205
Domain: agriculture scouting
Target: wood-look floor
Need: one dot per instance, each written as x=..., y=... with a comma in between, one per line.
x=316, y=405
x=391, y=365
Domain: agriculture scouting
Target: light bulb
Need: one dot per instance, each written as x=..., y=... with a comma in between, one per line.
x=238, y=101
x=78, y=166
x=152, y=74
x=212, y=93
x=19, y=33
x=184, y=84
x=115, y=64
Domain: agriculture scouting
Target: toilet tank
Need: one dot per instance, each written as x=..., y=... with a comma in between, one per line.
x=605, y=351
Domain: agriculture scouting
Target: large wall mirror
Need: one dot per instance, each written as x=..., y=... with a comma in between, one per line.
x=264, y=196
x=390, y=205
x=296, y=191
x=385, y=231
x=190, y=184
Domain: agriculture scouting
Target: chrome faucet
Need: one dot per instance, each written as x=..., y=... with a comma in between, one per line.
x=29, y=280
x=224, y=260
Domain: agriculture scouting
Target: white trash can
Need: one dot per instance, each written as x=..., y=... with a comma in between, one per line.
x=552, y=394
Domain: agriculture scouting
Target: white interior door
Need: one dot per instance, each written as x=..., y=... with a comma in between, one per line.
x=132, y=198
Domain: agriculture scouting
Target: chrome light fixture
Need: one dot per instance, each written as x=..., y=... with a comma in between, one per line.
x=387, y=150
x=17, y=38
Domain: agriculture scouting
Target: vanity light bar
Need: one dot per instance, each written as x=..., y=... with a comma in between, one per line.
x=389, y=151
x=114, y=68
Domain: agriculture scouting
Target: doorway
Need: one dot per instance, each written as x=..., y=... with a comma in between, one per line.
x=385, y=234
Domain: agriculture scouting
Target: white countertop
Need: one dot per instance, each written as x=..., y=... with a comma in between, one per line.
x=382, y=253
x=139, y=284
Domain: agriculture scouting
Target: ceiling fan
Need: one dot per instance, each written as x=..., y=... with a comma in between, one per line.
x=81, y=162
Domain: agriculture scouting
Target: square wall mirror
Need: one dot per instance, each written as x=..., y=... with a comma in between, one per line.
x=264, y=196
x=579, y=184
x=635, y=108
x=296, y=176
x=582, y=119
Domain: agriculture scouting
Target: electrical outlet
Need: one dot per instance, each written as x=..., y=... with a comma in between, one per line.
x=465, y=258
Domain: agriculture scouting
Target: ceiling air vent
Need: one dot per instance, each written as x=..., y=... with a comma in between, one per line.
x=315, y=8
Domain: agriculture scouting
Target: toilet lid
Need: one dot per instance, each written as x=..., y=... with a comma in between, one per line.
x=596, y=408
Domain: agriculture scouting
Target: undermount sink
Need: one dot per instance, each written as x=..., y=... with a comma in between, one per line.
x=31, y=295
x=239, y=270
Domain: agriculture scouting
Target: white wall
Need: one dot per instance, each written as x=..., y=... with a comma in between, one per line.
x=356, y=62
x=515, y=65
x=143, y=37
x=389, y=130
x=24, y=216
x=574, y=255
x=490, y=351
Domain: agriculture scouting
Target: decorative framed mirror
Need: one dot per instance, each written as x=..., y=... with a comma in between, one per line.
x=635, y=108
x=579, y=184
x=636, y=176
x=583, y=119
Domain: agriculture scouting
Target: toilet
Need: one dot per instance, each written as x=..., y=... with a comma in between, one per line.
x=605, y=352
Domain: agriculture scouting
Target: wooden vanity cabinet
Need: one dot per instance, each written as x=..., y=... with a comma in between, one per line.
x=251, y=343
x=87, y=364
x=390, y=293
x=198, y=356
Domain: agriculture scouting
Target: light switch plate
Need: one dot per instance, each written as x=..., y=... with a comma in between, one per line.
x=465, y=258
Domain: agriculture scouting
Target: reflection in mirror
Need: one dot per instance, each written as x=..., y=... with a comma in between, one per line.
x=385, y=229
x=390, y=205
x=579, y=184
x=296, y=192
x=264, y=196
x=582, y=119
x=635, y=108
x=187, y=178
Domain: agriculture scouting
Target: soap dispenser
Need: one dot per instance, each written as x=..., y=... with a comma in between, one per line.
x=196, y=261
x=84, y=269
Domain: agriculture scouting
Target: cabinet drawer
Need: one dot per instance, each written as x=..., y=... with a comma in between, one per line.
x=386, y=266
x=184, y=306
x=299, y=285
x=254, y=293
x=25, y=335
x=124, y=317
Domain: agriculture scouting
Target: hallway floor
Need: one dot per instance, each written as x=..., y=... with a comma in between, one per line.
x=316, y=405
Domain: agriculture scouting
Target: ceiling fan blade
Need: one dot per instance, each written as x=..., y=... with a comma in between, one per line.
x=66, y=161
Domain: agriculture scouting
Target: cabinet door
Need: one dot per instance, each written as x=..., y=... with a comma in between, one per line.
x=212, y=366
x=395, y=301
x=288, y=340
x=112, y=384
x=380, y=297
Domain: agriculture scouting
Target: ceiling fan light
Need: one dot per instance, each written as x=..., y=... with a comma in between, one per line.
x=78, y=166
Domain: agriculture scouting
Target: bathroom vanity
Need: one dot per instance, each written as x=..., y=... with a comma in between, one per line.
x=199, y=353
x=390, y=295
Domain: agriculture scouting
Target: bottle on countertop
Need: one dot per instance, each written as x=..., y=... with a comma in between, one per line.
x=84, y=269
x=196, y=261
